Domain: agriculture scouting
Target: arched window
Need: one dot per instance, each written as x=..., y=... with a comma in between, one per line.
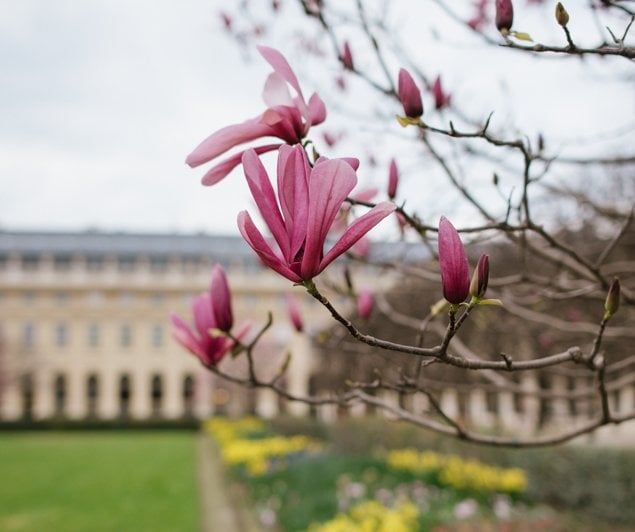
x=59, y=391
x=92, y=393
x=125, y=394
x=156, y=390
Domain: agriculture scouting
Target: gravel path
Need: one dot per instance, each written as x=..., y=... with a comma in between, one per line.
x=222, y=508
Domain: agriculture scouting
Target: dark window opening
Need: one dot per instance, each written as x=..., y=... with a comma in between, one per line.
x=125, y=393
x=92, y=393
x=60, y=395
x=188, y=396
x=156, y=390
x=27, y=394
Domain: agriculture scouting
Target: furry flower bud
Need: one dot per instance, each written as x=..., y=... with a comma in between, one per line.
x=561, y=15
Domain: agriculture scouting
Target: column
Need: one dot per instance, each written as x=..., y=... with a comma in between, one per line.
x=107, y=394
x=299, y=372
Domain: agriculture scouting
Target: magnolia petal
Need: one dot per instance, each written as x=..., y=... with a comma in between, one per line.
x=329, y=185
x=254, y=238
x=203, y=313
x=280, y=66
x=357, y=230
x=222, y=169
x=265, y=199
x=182, y=333
x=293, y=193
x=317, y=110
x=276, y=91
x=226, y=138
x=365, y=194
x=221, y=299
x=353, y=162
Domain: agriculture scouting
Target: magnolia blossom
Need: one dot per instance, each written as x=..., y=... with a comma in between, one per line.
x=294, y=313
x=288, y=117
x=302, y=211
x=365, y=303
x=409, y=95
x=455, y=270
x=212, y=313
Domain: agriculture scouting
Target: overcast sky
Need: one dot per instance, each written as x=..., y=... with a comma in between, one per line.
x=100, y=103
x=101, y=100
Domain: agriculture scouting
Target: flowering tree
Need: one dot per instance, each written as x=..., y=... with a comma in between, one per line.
x=522, y=197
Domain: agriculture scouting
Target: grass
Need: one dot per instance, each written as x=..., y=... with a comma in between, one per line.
x=98, y=481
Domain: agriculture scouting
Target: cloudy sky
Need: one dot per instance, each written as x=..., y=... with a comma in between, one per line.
x=100, y=103
x=101, y=100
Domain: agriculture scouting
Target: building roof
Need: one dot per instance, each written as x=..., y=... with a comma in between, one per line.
x=191, y=245
x=140, y=244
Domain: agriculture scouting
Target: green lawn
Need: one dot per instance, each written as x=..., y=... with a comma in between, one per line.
x=98, y=481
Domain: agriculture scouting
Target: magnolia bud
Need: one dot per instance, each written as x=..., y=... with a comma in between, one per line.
x=393, y=179
x=409, y=95
x=294, y=313
x=365, y=303
x=480, y=277
x=504, y=15
x=561, y=15
x=347, y=57
x=612, y=302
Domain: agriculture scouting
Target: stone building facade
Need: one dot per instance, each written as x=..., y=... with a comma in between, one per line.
x=85, y=332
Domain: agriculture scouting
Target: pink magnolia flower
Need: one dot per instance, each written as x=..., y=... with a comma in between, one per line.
x=455, y=270
x=365, y=303
x=409, y=95
x=393, y=179
x=294, y=313
x=300, y=217
x=504, y=15
x=203, y=340
x=287, y=117
x=441, y=98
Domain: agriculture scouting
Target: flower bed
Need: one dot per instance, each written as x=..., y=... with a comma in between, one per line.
x=299, y=483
